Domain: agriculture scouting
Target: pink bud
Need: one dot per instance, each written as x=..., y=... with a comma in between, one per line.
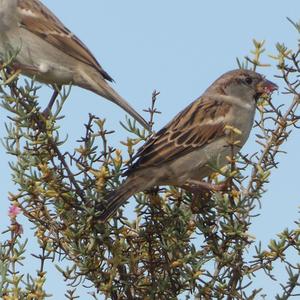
x=14, y=211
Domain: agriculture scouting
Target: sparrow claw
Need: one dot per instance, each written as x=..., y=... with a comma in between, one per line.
x=228, y=184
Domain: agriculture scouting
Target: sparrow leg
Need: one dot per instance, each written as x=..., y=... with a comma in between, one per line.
x=47, y=110
x=195, y=186
x=34, y=70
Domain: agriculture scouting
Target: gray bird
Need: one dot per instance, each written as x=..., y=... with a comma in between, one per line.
x=47, y=50
x=197, y=138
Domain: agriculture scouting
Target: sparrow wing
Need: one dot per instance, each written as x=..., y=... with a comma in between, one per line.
x=199, y=124
x=38, y=19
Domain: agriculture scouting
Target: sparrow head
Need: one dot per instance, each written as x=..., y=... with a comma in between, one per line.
x=243, y=84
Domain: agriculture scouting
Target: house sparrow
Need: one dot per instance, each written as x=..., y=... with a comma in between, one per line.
x=46, y=50
x=196, y=139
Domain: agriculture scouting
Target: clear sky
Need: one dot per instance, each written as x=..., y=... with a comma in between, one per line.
x=178, y=48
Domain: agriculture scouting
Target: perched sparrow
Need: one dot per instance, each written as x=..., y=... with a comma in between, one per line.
x=196, y=139
x=47, y=50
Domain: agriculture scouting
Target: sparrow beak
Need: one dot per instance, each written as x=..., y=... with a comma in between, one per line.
x=266, y=87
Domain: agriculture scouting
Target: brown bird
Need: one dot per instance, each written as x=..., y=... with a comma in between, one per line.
x=46, y=50
x=196, y=139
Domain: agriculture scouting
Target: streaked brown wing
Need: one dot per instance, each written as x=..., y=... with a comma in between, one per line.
x=198, y=124
x=38, y=19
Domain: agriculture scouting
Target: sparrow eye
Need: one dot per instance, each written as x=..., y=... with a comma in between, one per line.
x=248, y=80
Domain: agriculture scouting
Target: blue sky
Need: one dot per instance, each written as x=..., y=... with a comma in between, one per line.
x=178, y=48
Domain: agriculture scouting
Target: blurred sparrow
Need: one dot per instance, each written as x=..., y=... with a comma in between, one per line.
x=47, y=50
x=196, y=139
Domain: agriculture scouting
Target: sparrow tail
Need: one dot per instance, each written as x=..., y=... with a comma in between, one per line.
x=117, y=99
x=103, y=89
x=115, y=199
